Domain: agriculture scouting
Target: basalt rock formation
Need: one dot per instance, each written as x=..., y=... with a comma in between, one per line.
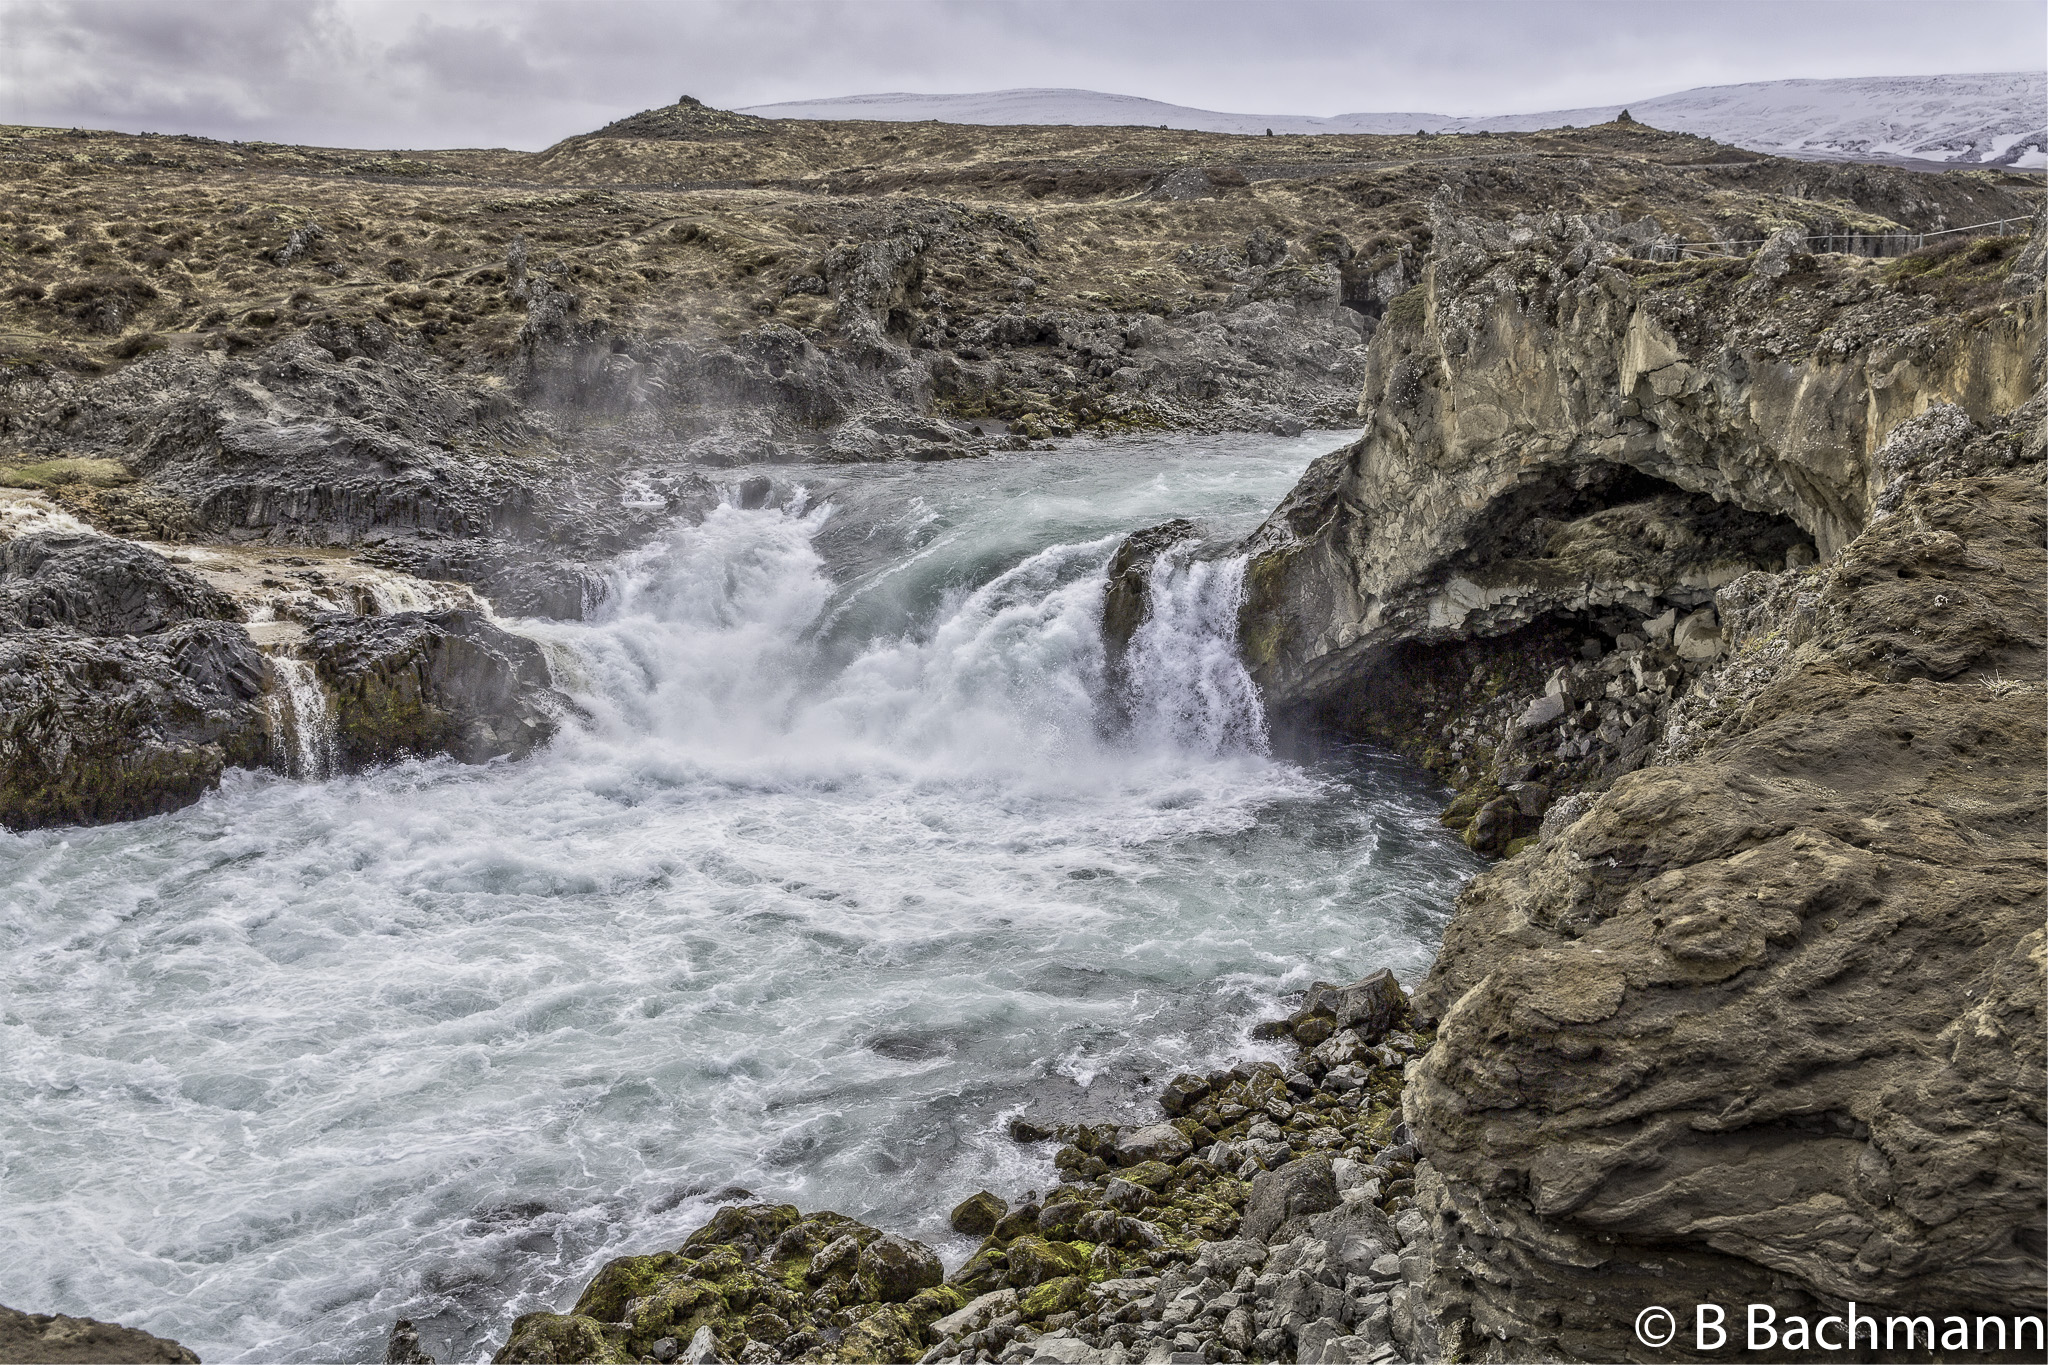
x=129, y=684
x=1718, y=588
x=430, y=683
x=123, y=692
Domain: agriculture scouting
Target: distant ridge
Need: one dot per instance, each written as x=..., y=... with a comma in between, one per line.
x=1988, y=119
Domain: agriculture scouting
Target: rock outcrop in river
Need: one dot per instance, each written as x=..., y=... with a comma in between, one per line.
x=1754, y=1012
x=54, y=1339
x=128, y=683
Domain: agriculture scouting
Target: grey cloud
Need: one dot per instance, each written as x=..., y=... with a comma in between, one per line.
x=526, y=72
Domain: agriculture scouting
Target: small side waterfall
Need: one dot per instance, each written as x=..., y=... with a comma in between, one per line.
x=1186, y=684
x=301, y=720
x=380, y=592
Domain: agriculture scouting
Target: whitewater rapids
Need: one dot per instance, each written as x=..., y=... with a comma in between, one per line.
x=849, y=857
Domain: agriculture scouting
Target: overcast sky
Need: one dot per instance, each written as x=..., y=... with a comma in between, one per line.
x=524, y=73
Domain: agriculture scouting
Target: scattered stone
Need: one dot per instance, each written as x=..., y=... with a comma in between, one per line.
x=1161, y=1142
x=1300, y=1187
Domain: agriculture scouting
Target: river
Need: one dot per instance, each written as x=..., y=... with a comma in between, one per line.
x=850, y=856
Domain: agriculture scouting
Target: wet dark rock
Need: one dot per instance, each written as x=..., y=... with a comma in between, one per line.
x=54, y=1339
x=1181, y=1092
x=1368, y=1007
x=1022, y=1129
x=97, y=729
x=403, y=1346
x=1299, y=1188
x=755, y=492
x=1123, y=603
x=99, y=585
x=417, y=684
x=978, y=1214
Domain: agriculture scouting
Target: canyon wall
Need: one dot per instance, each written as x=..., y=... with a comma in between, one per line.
x=1754, y=1011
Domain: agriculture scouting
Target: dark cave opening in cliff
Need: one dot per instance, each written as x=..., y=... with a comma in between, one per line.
x=1525, y=522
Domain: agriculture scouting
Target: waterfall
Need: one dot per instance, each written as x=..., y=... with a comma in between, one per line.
x=855, y=844
x=1187, y=686
x=301, y=721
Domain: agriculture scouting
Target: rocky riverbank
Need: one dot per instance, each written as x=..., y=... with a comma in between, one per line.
x=1270, y=1214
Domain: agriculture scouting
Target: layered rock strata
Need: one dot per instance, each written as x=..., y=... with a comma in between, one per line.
x=1763, y=1022
x=1719, y=589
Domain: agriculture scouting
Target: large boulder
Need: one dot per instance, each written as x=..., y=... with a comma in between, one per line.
x=1301, y=1187
x=419, y=683
x=1369, y=1006
x=1161, y=1142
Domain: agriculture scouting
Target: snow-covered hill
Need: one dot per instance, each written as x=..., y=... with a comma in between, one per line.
x=1999, y=118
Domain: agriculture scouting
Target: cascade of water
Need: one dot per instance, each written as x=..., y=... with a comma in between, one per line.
x=844, y=863
x=386, y=594
x=301, y=720
x=710, y=647
x=1187, y=685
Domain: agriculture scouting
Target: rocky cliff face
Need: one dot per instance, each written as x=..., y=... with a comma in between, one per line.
x=1557, y=426
x=1753, y=1014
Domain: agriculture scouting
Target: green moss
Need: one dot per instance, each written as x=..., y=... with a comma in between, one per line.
x=629, y=1277
x=1054, y=1296
x=1034, y=1260
x=1409, y=310
x=48, y=474
x=547, y=1338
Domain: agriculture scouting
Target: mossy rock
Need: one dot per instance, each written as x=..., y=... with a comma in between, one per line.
x=1034, y=1261
x=978, y=1214
x=1153, y=1175
x=1459, y=813
x=1054, y=1296
x=1409, y=310
x=625, y=1279
x=987, y=1269
x=44, y=475
x=558, y=1339
x=678, y=1309
x=880, y=1336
